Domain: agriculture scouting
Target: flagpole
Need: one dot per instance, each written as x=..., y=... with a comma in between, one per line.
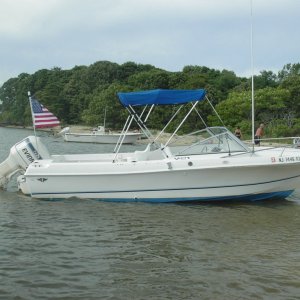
x=32, y=116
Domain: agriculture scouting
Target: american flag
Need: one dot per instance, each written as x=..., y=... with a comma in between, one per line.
x=42, y=117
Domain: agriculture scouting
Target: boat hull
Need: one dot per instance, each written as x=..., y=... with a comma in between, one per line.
x=174, y=181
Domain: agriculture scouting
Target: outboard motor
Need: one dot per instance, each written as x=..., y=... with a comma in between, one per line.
x=21, y=156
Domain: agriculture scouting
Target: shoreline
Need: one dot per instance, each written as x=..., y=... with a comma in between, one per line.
x=85, y=129
x=74, y=128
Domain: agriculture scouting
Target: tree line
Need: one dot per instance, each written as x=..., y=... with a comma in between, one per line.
x=82, y=94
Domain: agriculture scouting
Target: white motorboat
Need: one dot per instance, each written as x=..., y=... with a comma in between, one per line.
x=99, y=135
x=209, y=165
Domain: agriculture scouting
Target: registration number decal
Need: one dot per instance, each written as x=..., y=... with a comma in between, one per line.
x=287, y=159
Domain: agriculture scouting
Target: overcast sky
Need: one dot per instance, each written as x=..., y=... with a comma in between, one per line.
x=169, y=34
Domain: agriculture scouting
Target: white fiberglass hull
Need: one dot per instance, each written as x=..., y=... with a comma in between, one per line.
x=109, y=138
x=206, y=178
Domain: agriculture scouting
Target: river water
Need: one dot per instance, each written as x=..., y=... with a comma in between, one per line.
x=86, y=249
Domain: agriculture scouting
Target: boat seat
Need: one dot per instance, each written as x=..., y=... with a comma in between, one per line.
x=156, y=155
x=147, y=154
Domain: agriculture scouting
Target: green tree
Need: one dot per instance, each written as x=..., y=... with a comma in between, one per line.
x=81, y=94
x=106, y=100
x=269, y=109
x=153, y=79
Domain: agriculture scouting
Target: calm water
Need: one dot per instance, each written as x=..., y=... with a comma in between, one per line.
x=82, y=249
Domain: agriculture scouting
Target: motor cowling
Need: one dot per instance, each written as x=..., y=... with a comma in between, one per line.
x=21, y=155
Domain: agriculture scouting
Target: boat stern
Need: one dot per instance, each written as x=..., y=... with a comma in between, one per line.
x=22, y=185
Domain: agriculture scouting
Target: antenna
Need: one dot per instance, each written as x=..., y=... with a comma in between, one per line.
x=104, y=118
x=252, y=76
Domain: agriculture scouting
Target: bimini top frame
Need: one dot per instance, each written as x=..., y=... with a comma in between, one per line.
x=152, y=98
x=161, y=97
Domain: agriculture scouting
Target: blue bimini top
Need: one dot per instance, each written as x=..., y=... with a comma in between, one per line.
x=161, y=97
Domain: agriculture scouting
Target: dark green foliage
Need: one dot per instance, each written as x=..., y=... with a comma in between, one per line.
x=82, y=95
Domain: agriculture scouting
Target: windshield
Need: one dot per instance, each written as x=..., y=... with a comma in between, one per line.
x=208, y=140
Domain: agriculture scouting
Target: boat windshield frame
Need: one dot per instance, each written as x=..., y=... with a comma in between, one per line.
x=209, y=140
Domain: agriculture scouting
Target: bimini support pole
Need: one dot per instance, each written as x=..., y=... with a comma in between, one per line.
x=215, y=111
x=163, y=130
x=168, y=141
x=122, y=132
x=140, y=123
